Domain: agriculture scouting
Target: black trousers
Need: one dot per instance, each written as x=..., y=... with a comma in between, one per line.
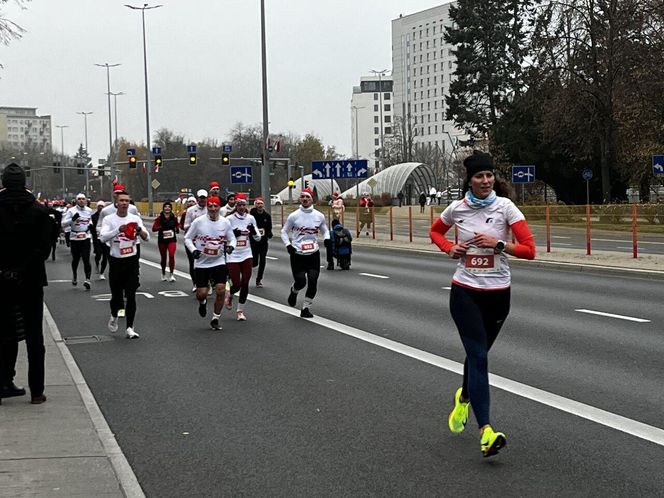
x=123, y=280
x=101, y=254
x=32, y=308
x=190, y=257
x=259, y=256
x=80, y=249
x=306, y=269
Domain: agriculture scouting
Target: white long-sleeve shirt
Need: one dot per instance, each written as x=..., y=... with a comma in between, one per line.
x=243, y=249
x=112, y=209
x=121, y=245
x=80, y=228
x=194, y=212
x=305, y=224
x=209, y=237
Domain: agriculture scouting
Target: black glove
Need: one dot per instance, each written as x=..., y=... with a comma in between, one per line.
x=196, y=254
x=237, y=232
x=328, y=243
x=252, y=229
x=291, y=250
x=75, y=217
x=229, y=249
x=269, y=235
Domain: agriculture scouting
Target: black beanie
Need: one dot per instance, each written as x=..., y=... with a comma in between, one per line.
x=13, y=177
x=478, y=161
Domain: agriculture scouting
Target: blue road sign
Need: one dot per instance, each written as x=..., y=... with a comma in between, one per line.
x=523, y=174
x=587, y=174
x=131, y=152
x=227, y=148
x=658, y=164
x=241, y=174
x=324, y=170
x=191, y=148
x=156, y=151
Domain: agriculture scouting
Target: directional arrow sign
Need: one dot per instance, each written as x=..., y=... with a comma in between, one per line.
x=523, y=174
x=658, y=164
x=241, y=174
x=339, y=169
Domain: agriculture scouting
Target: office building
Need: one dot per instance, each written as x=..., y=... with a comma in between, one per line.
x=22, y=129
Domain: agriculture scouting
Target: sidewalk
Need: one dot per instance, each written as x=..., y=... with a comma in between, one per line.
x=62, y=447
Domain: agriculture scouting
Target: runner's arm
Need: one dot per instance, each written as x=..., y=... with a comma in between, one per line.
x=525, y=246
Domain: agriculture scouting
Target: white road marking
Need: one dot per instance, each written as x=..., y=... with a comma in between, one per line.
x=561, y=244
x=60, y=281
x=612, y=315
x=573, y=407
x=560, y=237
x=446, y=288
x=271, y=257
x=372, y=275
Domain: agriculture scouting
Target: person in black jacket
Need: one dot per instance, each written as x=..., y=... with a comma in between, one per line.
x=56, y=216
x=26, y=232
x=259, y=249
x=100, y=249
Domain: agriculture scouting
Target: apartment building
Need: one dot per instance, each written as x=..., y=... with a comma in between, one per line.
x=372, y=111
x=422, y=66
x=21, y=128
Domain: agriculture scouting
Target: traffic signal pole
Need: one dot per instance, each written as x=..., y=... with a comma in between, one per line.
x=265, y=170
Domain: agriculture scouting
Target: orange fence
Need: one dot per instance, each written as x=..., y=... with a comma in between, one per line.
x=411, y=224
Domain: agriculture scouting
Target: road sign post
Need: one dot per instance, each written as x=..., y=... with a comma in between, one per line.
x=658, y=164
x=587, y=175
x=523, y=174
x=241, y=175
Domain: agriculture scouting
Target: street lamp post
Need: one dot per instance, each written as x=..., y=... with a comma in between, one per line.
x=62, y=156
x=87, y=169
x=357, y=143
x=111, y=158
x=380, y=90
x=265, y=171
x=148, y=141
x=115, y=112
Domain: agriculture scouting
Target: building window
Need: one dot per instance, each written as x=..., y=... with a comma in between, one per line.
x=375, y=96
x=387, y=107
x=377, y=164
x=376, y=142
x=388, y=119
x=376, y=131
x=387, y=96
x=375, y=107
x=375, y=119
x=388, y=130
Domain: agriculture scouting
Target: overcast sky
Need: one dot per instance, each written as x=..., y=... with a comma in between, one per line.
x=204, y=65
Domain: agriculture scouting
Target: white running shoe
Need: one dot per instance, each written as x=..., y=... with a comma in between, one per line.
x=113, y=323
x=163, y=277
x=240, y=316
x=131, y=334
x=171, y=278
x=102, y=277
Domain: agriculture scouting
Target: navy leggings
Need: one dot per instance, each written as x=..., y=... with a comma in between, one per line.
x=479, y=316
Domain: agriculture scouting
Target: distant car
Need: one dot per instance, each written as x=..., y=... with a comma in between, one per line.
x=275, y=200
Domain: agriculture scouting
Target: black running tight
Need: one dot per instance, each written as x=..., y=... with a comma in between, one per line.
x=306, y=270
x=80, y=249
x=479, y=316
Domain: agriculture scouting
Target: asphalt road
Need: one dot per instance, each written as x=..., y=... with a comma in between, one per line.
x=282, y=406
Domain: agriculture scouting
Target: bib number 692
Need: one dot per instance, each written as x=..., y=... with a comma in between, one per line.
x=478, y=261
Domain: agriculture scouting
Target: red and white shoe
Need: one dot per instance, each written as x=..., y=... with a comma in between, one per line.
x=228, y=300
x=240, y=316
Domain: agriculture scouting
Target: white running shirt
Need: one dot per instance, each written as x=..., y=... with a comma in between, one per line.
x=121, y=245
x=481, y=268
x=209, y=237
x=80, y=229
x=305, y=225
x=192, y=213
x=243, y=249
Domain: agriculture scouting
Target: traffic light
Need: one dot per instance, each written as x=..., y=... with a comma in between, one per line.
x=306, y=184
x=192, y=158
x=132, y=162
x=291, y=182
x=157, y=161
x=225, y=158
x=56, y=167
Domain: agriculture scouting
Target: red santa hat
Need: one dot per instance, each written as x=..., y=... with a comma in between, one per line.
x=214, y=200
x=214, y=184
x=259, y=200
x=307, y=191
x=241, y=198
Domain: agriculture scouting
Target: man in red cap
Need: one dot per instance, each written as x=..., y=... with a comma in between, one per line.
x=305, y=225
x=240, y=261
x=209, y=239
x=214, y=190
x=259, y=249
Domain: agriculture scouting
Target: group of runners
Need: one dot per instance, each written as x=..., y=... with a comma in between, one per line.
x=224, y=241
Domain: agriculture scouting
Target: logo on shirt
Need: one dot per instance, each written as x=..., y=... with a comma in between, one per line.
x=489, y=220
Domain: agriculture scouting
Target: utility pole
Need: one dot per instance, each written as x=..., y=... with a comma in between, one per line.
x=62, y=157
x=87, y=154
x=265, y=170
x=111, y=155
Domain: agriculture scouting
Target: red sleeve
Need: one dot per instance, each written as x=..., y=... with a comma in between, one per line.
x=525, y=248
x=156, y=225
x=437, y=234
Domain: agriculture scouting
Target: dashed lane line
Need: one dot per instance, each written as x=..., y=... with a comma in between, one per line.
x=573, y=407
x=613, y=315
x=373, y=275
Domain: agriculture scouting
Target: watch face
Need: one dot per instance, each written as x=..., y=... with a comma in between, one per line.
x=500, y=246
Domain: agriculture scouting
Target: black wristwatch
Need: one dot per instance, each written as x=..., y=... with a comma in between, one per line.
x=500, y=247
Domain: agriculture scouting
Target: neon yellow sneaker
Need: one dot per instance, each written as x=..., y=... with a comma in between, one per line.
x=491, y=442
x=459, y=416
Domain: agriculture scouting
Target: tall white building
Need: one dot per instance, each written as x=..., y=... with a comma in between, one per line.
x=422, y=66
x=371, y=105
x=21, y=128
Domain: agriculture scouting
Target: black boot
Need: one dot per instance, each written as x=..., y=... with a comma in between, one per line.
x=10, y=390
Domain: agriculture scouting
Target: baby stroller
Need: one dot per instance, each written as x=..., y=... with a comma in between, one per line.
x=341, y=245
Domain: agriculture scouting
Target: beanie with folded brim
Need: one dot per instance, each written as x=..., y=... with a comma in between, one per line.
x=478, y=161
x=13, y=177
